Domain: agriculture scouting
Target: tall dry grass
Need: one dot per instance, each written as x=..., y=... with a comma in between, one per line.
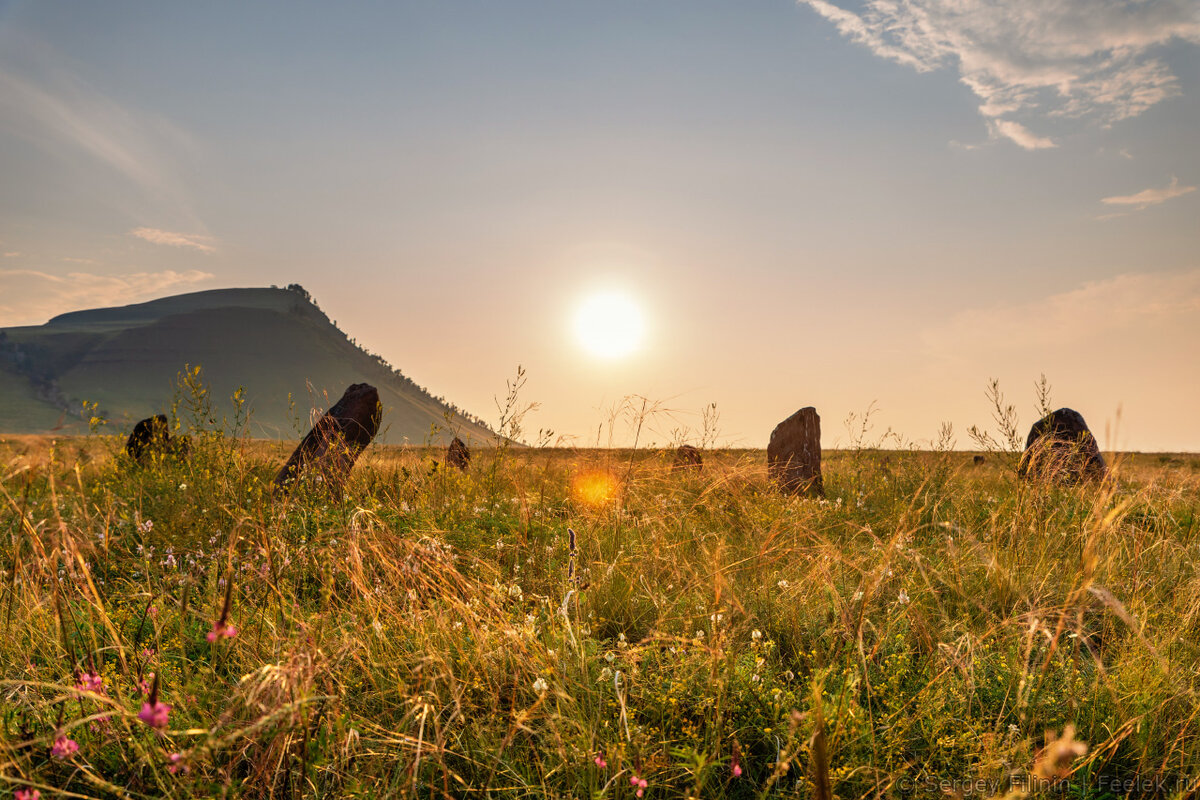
x=932, y=626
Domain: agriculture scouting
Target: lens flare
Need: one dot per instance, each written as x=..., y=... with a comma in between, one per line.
x=594, y=488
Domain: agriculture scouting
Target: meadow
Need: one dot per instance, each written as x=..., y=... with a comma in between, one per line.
x=590, y=623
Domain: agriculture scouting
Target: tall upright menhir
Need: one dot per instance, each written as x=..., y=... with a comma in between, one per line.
x=327, y=454
x=794, y=454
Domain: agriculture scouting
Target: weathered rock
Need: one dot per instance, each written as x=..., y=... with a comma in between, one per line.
x=152, y=437
x=458, y=454
x=794, y=454
x=687, y=457
x=1061, y=448
x=328, y=452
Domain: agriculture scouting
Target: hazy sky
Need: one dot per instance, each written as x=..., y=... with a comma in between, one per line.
x=816, y=203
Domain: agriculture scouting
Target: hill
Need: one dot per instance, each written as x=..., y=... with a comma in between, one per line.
x=277, y=344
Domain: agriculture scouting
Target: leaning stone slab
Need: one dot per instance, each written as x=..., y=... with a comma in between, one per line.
x=794, y=454
x=458, y=454
x=327, y=454
x=1061, y=448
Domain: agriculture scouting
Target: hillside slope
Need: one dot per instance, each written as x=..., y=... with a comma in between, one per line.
x=276, y=343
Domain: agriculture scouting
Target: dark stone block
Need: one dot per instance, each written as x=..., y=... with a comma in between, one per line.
x=1061, y=448
x=794, y=454
x=458, y=454
x=151, y=438
x=687, y=457
x=327, y=454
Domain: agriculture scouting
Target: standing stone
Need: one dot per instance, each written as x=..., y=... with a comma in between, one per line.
x=1061, y=448
x=687, y=457
x=458, y=454
x=330, y=449
x=150, y=438
x=794, y=454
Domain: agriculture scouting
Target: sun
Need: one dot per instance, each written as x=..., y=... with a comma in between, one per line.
x=609, y=325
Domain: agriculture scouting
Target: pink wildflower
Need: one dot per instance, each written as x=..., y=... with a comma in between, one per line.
x=737, y=770
x=177, y=764
x=220, y=631
x=600, y=762
x=90, y=682
x=640, y=783
x=154, y=714
x=144, y=685
x=64, y=747
x=27, y=794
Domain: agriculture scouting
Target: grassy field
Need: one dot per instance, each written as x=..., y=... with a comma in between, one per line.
x=932, y=627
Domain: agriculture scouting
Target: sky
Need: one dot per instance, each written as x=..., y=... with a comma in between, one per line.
x=880, y=205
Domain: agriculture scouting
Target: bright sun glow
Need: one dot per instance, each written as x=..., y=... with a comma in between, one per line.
x=609, y=325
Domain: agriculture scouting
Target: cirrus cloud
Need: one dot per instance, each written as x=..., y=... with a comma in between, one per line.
x=1071, y=58
x=1150, y=197
x=172, y=239
x=30, y=297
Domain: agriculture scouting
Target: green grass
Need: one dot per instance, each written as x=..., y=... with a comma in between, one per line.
x=931, y=624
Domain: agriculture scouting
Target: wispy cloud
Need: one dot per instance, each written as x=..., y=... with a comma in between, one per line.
x=1070, y=58
x=30, y=297
x=44, y=100
x=1019, y=134
x=172, y=239
x=1122, y=303
x=1150, y=197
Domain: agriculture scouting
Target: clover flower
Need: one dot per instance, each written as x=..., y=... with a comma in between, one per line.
x=155, y=714
x=177, y=763
x=64, y=747
x=221, y=629
x=90, y=682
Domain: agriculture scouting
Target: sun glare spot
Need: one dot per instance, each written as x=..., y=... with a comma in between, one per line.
x=594, y=488
x=609, y=325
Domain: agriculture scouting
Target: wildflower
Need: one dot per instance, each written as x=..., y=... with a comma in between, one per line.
x=146, y=526
x=220, y=629
x=639, y=783
x=183, y=487
x=153, y=712
x=756, y=634
x=177, y=763
x=222, y=632
x=783, y=584
x=540, y=686
x=737, y=770
x=600, y=762
x=64, y=747
x=90, y=682
x=903, y=598
x=27, y=794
